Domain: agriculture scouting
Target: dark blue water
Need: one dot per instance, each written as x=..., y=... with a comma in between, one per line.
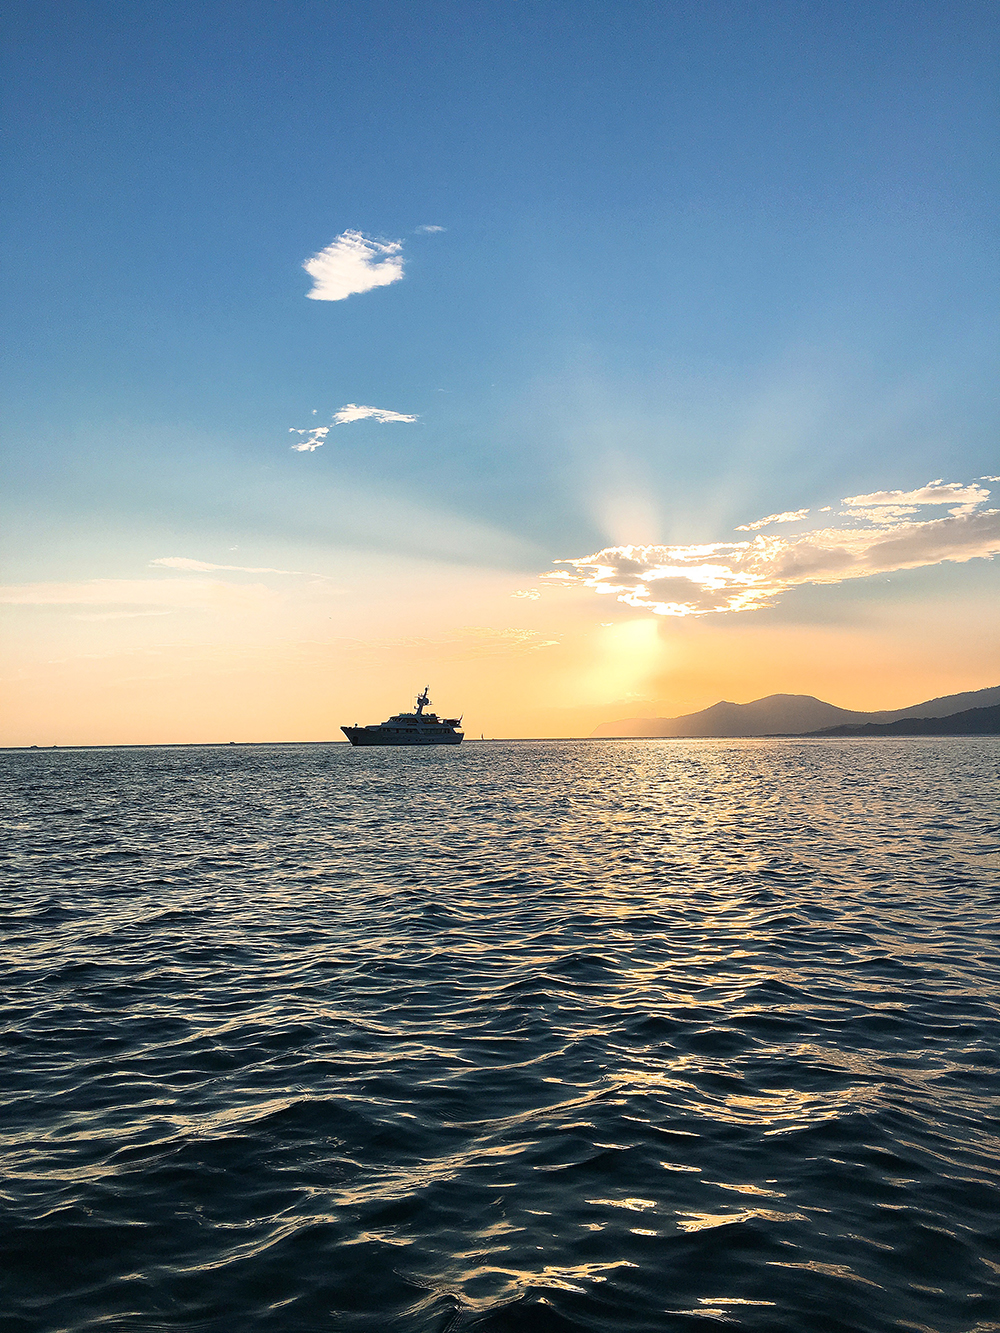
x=521, y=1036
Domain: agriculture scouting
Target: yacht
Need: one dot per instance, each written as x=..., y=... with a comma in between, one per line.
x=418, y=728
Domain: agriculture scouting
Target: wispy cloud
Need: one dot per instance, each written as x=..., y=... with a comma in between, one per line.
x=119, y=615
x=431, y=228
x=934, y=493
x=189, y=593
x=354, y=412
x=182, y=562
x=878, y=513
x=789, y=516
x=464, y=644
x=353, y=263
x=312, y=439
x=748, y=575
x=315, y=437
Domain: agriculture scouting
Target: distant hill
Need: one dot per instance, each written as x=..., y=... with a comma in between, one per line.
x=790, y=715
x=970, y=722
x=946, y=706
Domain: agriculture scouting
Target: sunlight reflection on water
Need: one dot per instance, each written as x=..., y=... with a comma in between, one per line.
x=536, y=1036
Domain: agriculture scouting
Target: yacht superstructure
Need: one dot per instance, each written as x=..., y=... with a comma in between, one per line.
x=417, y=728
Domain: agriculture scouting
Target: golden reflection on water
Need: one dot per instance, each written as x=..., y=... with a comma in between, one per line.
x=746, y=1189
x=717, y=1307
x=491, y=1287
x=654, y=973
x=635, y=1205
x=708, y=1221
x=785, y=1109
x=831, y=1270
x=730, y=1300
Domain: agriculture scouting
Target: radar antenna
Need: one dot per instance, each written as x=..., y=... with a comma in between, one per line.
x=422, y=701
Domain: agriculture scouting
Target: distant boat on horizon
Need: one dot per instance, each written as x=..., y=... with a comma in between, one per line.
x=417, y=728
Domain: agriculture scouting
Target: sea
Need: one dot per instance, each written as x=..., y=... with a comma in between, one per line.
x=514, y=1037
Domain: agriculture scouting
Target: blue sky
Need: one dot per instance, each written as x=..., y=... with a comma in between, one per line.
x=698, y=263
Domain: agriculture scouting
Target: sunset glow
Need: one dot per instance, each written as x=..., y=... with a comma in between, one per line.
x=576, y=405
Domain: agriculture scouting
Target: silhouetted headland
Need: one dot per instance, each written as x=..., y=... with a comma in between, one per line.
x=970, y=722
x=799, y=715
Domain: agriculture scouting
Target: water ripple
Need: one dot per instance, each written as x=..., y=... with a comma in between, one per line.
x=535, y=1036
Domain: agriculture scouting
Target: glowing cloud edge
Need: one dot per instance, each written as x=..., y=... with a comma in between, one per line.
x=750, y=575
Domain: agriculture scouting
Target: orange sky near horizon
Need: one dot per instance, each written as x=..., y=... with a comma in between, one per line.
x=294, y=661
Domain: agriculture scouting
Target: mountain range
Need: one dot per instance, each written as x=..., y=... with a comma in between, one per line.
x=789, y=715
x=970, y=722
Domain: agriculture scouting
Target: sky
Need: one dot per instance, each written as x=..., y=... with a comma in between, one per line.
x=581, y=360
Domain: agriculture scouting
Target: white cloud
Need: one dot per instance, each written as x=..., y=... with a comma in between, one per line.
x=353, y=412
x=879, y=513
x=934, y=493
x=315, y=437
x=789, y=516
x=748, y=575
x=352, y=264
x=431, y=228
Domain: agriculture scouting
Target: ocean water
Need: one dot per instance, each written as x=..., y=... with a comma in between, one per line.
x=537, y=1036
